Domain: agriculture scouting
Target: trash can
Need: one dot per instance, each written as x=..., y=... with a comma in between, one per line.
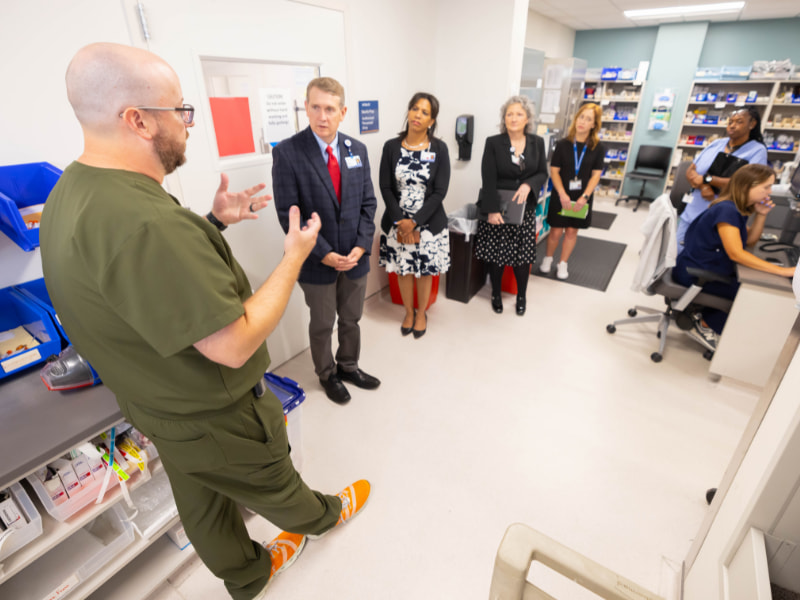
x=466, y=275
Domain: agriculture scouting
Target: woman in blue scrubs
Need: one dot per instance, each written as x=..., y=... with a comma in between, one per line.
x=717, y=239
x=744, y=141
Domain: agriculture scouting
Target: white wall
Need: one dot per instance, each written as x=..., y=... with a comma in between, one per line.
x=478, y=66
x=36, y=121
x=551, y=37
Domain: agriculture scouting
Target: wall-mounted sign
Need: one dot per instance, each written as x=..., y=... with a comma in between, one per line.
x=368, y=116
x=661, y=112
x=277, y=114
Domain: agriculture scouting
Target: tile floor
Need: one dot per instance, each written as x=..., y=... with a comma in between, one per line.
x=493, y=419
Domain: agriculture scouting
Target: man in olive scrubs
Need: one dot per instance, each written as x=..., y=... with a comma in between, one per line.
x=152, y=296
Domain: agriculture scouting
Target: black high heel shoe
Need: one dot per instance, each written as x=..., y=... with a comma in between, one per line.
x=521, y=302
x=418, y=333
x=406, y=330
x=497, y=304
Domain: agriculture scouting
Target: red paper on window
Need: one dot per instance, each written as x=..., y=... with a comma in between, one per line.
x=232, y=125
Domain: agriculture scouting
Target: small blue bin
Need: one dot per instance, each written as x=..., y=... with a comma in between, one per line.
x=287, y=390
x=17, y=310
x=20, y=186
x=36, y=292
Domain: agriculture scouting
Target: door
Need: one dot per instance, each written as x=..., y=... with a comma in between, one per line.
x=188, y=34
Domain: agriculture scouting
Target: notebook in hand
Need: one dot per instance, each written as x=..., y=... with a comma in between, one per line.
x=725, y=165
x=580, y=214
x=513, y=213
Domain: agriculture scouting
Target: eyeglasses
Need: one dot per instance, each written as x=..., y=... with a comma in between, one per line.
x=187, y=111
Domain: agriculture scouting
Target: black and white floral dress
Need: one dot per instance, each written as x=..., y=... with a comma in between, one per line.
x=432, y=255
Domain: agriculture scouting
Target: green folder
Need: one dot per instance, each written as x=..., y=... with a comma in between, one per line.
x=581, y=214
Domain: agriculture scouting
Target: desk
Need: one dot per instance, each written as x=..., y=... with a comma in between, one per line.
x=36, y=425
x=759, y=322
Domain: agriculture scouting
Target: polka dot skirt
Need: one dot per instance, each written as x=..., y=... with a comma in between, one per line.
x=508, y=244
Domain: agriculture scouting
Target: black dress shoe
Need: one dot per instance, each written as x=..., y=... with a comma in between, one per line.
x=358, y=378
x=521, y=302
x=407, y=330
x=497, y=304
x=334, y=389
x=418, y=333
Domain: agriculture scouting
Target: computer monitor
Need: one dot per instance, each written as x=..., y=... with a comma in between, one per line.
x=791, y=224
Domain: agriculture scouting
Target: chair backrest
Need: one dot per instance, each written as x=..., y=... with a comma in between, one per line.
x=659, y=248
x=680, y=186
x=653, y=157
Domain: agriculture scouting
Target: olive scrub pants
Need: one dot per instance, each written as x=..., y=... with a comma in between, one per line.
x=239, y=455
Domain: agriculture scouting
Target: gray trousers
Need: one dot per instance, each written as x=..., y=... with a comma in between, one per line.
x=345, y=298
x=220, y=459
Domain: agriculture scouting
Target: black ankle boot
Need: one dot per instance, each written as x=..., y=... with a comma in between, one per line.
x=521, y=305
x=497, y=304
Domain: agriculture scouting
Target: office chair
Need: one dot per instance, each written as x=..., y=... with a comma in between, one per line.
x=680, y=187
x=652, y=163
x=682, y=302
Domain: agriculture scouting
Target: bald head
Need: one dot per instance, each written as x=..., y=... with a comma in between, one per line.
x=103, y=79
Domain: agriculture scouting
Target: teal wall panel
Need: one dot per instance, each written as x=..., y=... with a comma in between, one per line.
x=615, y=47
x=742, y=42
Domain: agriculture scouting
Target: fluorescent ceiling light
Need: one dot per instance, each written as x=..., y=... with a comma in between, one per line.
x=685, y=11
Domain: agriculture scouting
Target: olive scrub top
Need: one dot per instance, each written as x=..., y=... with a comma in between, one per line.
x=136, y=280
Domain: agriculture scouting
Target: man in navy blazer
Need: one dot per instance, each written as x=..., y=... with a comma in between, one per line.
x=323, y=171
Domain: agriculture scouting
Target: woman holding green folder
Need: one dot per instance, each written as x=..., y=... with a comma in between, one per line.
x=575, y=172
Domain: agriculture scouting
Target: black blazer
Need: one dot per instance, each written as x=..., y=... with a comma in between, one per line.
x=432, y=212
x=300, y=176
x=499, y=173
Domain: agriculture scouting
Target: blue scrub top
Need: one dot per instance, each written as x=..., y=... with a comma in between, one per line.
x=753, y=152
x=702, y=247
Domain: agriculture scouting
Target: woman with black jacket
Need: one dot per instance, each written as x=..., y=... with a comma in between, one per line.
x=513, y=160
x=414, y=176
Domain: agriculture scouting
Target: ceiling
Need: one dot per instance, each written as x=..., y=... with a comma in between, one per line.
x=607, y=14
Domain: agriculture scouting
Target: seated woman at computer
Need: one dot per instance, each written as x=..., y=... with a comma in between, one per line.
x=717, y=239
x=744, y=141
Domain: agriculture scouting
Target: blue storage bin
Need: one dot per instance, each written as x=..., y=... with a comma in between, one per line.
x=17, y=310
x=287, y=390
x=610, y=73
x=36, y=292
x=20, y=186
x=708, y=73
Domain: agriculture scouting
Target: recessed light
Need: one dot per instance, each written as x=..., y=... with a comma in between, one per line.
x=685, y=11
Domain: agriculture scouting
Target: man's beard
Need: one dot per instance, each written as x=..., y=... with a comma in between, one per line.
x=171, y=153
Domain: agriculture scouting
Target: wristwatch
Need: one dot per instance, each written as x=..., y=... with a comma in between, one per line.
x=707, y=179
x=216, y=222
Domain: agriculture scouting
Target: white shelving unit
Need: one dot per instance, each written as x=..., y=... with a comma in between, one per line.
x=711, y=103
x=619, y=101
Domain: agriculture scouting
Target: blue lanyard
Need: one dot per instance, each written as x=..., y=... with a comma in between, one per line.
x=577, y=160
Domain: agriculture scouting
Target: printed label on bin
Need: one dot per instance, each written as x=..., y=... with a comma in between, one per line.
x=62, y=590
x=15, y=362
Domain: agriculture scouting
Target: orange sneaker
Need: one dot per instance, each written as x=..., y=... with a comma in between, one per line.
x=353, y=498
x=284, y=550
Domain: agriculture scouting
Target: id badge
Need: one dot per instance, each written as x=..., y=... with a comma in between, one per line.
x=353, y=162
x=426, y=156
x=575, y=184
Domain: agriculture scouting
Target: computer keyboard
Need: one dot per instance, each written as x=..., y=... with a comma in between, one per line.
x=780, y=253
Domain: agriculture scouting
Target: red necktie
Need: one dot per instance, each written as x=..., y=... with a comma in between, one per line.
x=336, y=175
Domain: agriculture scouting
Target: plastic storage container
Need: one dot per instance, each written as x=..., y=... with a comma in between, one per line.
x=32, y=530
x=291, y=396
x=36, y=291
x=61, y=570
x=17, y=310
x=22, y=186
x=87, y=494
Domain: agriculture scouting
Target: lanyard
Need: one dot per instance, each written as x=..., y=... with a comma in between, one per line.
x=577, y=160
